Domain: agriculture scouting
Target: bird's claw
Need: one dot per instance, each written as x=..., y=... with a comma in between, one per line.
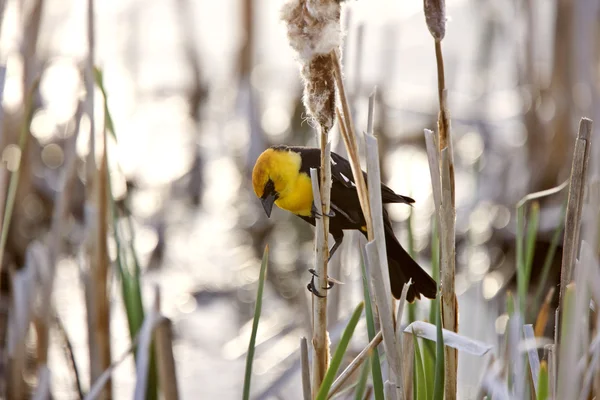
x=313, y=289
x=318, y=214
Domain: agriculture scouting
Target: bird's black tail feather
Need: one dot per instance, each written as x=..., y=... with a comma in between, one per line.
x=402, y=267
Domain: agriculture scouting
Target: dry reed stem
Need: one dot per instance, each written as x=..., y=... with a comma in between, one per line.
x=379, y=268
x=354, y=365
x=313, y=28
x=306, y=392
x=165, y=360
x=23, y=282
x=448, y=268
x=585, y=270
x=515, y=360
x=400, y=311
x=97, y=251
x=97, y=386
x=349, y=137
x=390, y=391
x=42, y=391
x=102, y=262
x=534, y=359
x=15, y=183
x=573, y=213
x=320, y=339
x=408, y=362
x=568, y=378
x=435, y=18
x=542, y=317
x=594, y=287
x=96, y=231
x=61, y=205
x=28, y=45
x=550, y=355
x=144, y=349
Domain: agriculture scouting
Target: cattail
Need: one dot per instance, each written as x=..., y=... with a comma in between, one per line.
x=314, y=32
x=435, y=17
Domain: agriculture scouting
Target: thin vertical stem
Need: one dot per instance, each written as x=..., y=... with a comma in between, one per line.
x=321, y=193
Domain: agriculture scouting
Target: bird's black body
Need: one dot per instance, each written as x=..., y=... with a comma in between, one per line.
x=347, y=214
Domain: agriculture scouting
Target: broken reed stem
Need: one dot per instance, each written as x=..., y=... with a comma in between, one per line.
x=99, y=264
x=345, y=119
x=354, y=365
x=573, y=214
x=96, y=231
x=435, y=18
x=573, y=312
x=165, y=360
x=378, y=269
x=306, y=392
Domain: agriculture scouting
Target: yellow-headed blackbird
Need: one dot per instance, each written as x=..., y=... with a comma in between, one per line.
x=282, y=176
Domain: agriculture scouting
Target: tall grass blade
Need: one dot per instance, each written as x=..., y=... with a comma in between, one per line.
x=525, y=249
x=435, y=266
x=338, y=356
x=542, y=317
x=532, y=229
x=568, y=361
x=257, y=310
x=99, y=79
x=542, y=383
x=520, y=257
x=361, y=386
x=144, y=358
x=429, y=354
x=375, y=362
x=549, y=258
x=15, y=175
x=532, y=354
x=575, y=201
x=127, y=262
x=420, y=382
x=125, y=252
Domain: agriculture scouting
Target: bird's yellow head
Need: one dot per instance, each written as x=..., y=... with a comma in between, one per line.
x=276, y=179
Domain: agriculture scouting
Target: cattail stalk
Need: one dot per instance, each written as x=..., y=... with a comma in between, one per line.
x=314, y=32
x=572, y=314
x=435, y=17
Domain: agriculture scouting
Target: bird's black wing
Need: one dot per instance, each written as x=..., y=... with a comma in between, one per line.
x=342, y=172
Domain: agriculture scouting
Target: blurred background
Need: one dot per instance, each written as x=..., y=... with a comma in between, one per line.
x=197, y=89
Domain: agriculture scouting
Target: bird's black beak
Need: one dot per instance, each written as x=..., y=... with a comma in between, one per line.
x=267, y=202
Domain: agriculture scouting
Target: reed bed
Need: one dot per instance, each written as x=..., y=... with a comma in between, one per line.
x=406, y=356
x=423, y=350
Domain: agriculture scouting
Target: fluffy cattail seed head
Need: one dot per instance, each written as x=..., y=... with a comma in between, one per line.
x=435, y=17
x=319, y=90
x=314, y=32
